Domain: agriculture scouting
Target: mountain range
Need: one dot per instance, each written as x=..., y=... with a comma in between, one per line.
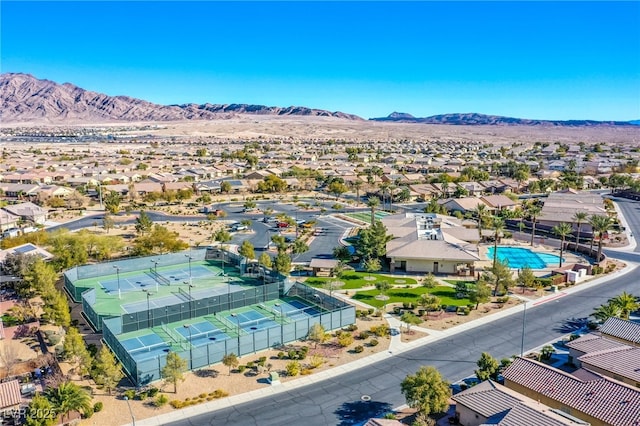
x=24, y=98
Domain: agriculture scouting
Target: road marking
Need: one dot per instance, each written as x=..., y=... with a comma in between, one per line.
x=550, y=299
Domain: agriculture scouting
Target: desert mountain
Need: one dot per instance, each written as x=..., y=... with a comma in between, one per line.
x=24, y=98
x=481, y=119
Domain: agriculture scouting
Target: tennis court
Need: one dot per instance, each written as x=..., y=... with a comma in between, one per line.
x=145, y=347
x=251, y=321
x=202, y=333
x=293, y=309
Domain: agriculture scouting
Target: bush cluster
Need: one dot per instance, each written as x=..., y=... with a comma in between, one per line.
x=218, y=393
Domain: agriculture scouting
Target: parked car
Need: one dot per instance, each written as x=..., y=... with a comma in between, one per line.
x=238, y=227
x=282, y=225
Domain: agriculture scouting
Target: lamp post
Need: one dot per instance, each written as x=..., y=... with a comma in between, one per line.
x=155, y=270
x=189, y=286
x=188, y=327
x=281, y=322
x=238, y=331
x=148, y=307
x=317, y=296
x=133, y=419
x=524, y=318
x=189, y=257
x=228, y=290
x=117, y=268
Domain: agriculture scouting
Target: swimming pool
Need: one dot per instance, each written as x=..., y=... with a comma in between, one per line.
x=519, y=257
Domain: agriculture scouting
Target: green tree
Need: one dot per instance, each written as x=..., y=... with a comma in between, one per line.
x=56, y=309
x=159, y=240
x=230, y=360
x=373, y=203
x=501, y=276
x=68, y=397
x=487, y=367
x=282, y=263
x=107, y=371
x=526, y=278
x=247, y=250
x=40, y=412
x=579, y=218
x=372, y=241
x=144, y=224
x=317, y=334
x=225, y=187
x=39, y=279
x=222, y=236
x=372, y=265
x=606, y=311
x=562, y=230
x=430, y=281
x=75, y=351
x=265, y=260
x=337, y=188
x=600, y=225
x=173, y=370
x=626, y=303
x=107, y=222
x=298, y=247
x=426, y=391
x=409, y=318
x=429, y=302
x=480, y=294
x=112, y=202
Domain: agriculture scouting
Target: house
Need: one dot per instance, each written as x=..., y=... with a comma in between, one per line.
x=584, y=394
x=10, y=397
x=608, y=357
x=622, y=330
x=8, y=220
x=26, y=249
x=463, y=205
x=499, y=202
x=28, y=211
x=426, y=242
x=490, y=403
x=561, y=207
x=323, y=267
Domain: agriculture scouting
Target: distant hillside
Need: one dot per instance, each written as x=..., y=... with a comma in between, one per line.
x=482, y=119
x=24, y=98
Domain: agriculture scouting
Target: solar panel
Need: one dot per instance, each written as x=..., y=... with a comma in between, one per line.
x=24, y=249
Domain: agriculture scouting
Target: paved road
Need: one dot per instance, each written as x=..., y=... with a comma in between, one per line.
x=338, y=400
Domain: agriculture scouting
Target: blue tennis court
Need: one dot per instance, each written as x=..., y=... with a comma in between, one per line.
x=202, y=333
x=295, y=309
x=182, y=274
x=145, y=347
x=251, y=321
x=131, y=283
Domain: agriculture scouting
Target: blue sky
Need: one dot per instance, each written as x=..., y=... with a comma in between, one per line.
x=544, y=60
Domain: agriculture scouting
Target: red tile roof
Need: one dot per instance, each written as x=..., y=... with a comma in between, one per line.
x=622, y=329
x=10, y=394
x=607, y=400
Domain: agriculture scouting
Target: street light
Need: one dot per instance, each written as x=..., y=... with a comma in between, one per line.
x=317, y=296
x=188, y=327
x=189, y=286
x=155, y=270
x=133, y=419
x=238, y=331
x=524, y=318
x=189, y=257
x=279, y=306
x=148, y=307
x=117, y=268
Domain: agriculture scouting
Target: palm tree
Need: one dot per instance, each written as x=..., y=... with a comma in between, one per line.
x=579, y=218
x=372, y=203
x=562, y=230
x=384, y=187
x=69, y=397
x=606, y=311
x=533, y=211
x=357, y=184
x=626, y=303
x=600, y=224
x=481, y=212
x=498, y=227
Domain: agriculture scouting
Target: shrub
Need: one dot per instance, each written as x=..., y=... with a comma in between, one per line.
x=345, y=339
x=351, y=327
x=161, y=400
x=373, y=342
x=293, y=354
x=241, y=368
x=262, y=360
x=370, y=311
x=504, y=299
x=305, y=372
x=130, y=394
x=97, y=407
x=358, y=349
x=363, y=335
x=202, y=395
x=141, y=396
x=250, y=364
x=219, y=393
x=338, y=333
x=176, y=404
x=380, y=330
x=293, y=368
x=153, y=392
x=316, y=361
x=281, y=355
x=87, y=414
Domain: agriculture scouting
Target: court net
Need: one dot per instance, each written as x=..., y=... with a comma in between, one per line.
x=148, y=348
x=185, y=293
x=159, y=277
x=255, y=322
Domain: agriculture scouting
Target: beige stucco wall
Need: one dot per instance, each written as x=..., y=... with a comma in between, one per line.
x=469, y=417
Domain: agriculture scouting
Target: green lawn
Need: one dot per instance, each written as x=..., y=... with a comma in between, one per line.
x=446, y=294
x=353, y=280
